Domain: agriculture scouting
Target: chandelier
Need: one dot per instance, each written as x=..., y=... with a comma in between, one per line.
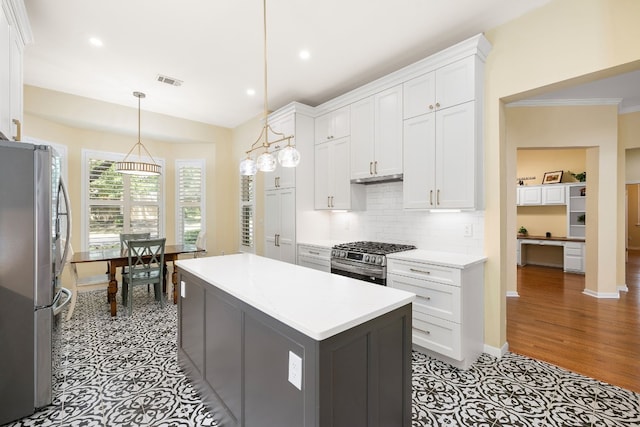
x=288, y=157
x=138, y=167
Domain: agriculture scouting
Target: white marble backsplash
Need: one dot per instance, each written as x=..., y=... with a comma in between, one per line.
x=385, y=221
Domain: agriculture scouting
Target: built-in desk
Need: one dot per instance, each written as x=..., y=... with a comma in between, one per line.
x=571, y=252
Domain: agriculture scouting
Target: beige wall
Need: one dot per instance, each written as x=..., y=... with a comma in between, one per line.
x=559, y=44
x=42, y=107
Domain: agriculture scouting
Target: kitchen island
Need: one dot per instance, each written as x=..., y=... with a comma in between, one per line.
x=268, y=343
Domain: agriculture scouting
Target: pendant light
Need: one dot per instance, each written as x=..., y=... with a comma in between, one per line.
x=288, y=157
x=138, y=167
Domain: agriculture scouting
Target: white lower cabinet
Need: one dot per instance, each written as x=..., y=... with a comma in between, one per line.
x=280, y=225
x=316, y=257
x=574, y=257
x=448, y=312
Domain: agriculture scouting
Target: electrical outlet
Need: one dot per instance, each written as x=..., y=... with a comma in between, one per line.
x=468, y=230
x=183, y=291
x=295, y=370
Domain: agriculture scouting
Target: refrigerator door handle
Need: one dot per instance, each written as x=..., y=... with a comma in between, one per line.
x=59, y=306
x=67, y=213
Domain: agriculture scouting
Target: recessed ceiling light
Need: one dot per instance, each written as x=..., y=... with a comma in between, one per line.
x=304, y=54
x=251, y=92
x=95, y=41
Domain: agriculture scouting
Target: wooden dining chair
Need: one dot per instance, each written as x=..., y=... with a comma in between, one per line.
x=146, y=265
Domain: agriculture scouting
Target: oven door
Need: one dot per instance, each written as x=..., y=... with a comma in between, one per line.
x=371, y=274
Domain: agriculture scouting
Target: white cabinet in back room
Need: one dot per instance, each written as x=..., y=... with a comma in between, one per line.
x=333, y=125
x=376, y=135
x=280, y=224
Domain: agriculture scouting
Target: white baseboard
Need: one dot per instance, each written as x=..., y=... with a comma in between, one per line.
x=603, y=295
x=495, y=351
x=622, y=288
x=512, y=294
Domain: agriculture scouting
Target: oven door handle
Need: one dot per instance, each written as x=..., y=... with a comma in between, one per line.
x=359, y=269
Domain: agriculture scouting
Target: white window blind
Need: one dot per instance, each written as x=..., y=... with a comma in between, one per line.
x=116, y=203
x=247, y=210
x=190, y=199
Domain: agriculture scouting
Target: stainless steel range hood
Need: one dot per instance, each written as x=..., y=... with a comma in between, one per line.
x=378, y=179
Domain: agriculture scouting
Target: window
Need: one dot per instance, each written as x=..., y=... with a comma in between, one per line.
x=190, y=200
x=114, y=203
x=247, y=209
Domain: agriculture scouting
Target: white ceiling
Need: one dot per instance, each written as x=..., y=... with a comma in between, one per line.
x=215, y=47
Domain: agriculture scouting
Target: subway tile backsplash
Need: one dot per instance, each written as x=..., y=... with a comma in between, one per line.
x=386, y=221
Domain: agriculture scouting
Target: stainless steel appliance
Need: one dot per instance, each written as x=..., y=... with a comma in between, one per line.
x=364, y=260
x=34, y=220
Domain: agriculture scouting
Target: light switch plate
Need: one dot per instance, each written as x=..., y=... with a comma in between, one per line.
x=295, y=370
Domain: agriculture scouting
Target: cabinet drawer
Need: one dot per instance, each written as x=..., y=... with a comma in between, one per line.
x=314, y=251
x=315, y=263
x=432, y=298
x=437, y=335
x=446, y=275
x=569, y=251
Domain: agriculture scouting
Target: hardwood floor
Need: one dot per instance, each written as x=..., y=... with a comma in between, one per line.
x=554, y=321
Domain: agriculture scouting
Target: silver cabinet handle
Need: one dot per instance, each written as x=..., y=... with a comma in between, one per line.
x=415, y=270
x=328, y=201
x=375, y=167
x=370, y=168
x=437, y=105
x=431, y=197
x=438, y=198
x=430, y=106
x=332, y=201
x=314, y=253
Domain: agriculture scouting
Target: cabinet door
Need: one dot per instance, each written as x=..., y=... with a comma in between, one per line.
x=16, y=79
x=323, y=129
x=456, y=157
x=362, y=137
x=271, y=223
x=455, y=83
x=530, y=196
x=419, y=95
x=553, y=195
x=388, y=132
x=339, y=179
x=341, y=122
x=419, y=149
x=281, y=177
x=321, y=176
x=287, y=232
x=5, y=76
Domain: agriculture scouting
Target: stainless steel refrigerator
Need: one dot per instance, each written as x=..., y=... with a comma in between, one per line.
x=34, y=223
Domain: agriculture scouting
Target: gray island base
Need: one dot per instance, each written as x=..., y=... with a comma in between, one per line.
x=270, y=344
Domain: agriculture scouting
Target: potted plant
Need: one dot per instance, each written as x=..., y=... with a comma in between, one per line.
x=581, y=177
x=581, y=219
x=522, y=231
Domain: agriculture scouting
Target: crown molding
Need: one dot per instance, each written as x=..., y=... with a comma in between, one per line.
x=564, y=102
x=16, y=13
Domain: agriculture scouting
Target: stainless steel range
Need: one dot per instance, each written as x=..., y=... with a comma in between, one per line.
x=364, y=260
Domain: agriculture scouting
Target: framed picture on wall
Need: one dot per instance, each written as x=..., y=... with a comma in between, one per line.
x=552, y=177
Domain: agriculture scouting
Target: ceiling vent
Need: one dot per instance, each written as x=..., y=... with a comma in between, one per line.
x=169, y=80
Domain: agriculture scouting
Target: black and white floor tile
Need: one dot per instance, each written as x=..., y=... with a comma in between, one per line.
x=123, y=371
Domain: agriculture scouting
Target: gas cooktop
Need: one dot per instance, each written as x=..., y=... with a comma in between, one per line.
x=374, y=248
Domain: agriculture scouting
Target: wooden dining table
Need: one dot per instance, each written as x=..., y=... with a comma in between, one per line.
x=120, y=258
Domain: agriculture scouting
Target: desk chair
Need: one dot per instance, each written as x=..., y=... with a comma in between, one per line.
x=146, y=265
x=77, y=282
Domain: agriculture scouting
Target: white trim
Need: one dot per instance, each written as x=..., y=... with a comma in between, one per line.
x=513, y=294
x=202, y=164
x=603, y=295
x=564, y=102
x=109, y=155
x=629, y=109
x=495, y=351
x=622, y=288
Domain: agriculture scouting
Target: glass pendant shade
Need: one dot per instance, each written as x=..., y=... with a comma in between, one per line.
x=266, y=162
x=248, y=167
x=289, y=157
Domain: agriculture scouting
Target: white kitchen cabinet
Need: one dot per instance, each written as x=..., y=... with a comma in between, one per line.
x=281, y=177
x=15, y=32
x=442, y=159
x=448, y=312
x=529, y=196
x=333, y=125
x=376, y=135
x=332, y=182
x=280, y=225
x=316, y=257
x=445, y=87
x=574, y=255
x=553, y=194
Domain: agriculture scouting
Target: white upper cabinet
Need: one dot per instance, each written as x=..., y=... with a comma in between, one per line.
x=529, y=196
x=280, y=225
x=333, y=125
x=541, y=195
x=440, y=156
x=376, y=135
x=332, y=184
x=445, y=87
x=553, y=194
x=15, y=32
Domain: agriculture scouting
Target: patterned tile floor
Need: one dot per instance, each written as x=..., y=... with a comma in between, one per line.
x=123, y=372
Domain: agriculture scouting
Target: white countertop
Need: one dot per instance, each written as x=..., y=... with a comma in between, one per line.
x=316, y=303
x=446, y=259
